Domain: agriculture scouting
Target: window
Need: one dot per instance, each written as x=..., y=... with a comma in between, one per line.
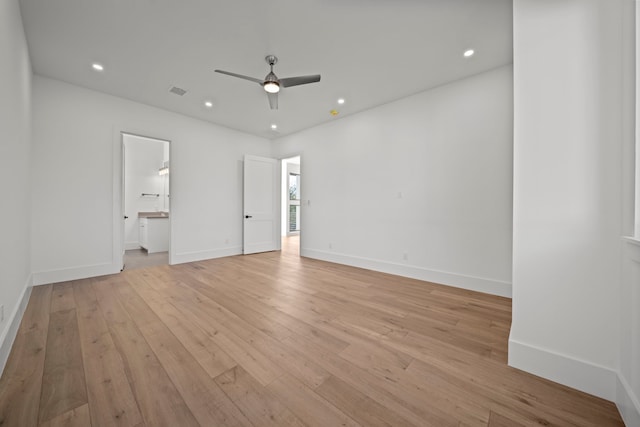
x=294, y=186
x=294, y=203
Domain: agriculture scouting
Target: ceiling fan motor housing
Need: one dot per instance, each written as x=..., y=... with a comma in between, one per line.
x=271, y=59
x=272, y=84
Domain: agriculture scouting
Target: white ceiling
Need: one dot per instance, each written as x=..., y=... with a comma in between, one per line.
x=369, y=52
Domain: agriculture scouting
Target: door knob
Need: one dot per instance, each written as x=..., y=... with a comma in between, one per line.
x=248, y=216
x=126, y=217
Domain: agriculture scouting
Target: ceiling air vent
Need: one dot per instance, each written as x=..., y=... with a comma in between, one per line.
x=178, y=91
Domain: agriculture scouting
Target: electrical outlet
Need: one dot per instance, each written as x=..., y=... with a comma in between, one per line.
x=226, y=241
x=405, y=256
x=2, y=313
x=330, y=246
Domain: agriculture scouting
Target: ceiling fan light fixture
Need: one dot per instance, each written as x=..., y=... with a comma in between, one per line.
x=271, y=87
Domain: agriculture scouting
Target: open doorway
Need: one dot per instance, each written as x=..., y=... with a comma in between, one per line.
x=291, y=197
x=146, y=230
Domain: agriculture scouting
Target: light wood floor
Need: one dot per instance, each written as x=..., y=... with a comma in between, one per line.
x=274, y=340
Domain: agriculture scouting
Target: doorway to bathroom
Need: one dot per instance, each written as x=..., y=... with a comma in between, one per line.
x=146, y=201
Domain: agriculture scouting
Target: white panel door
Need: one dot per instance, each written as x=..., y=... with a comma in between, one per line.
x=261, y=197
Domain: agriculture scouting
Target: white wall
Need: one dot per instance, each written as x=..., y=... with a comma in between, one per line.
x=633, y=153
x=143, y=158
x=428, y=175
x=570, y=130
x=76, y=168
x=628, y=385
x=15, y=151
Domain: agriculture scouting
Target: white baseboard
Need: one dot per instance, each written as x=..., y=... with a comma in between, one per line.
x=183, y=257
x=584, y=376
x=627, y=402
x=480, y=284
x=73, y=273
x=10, y=332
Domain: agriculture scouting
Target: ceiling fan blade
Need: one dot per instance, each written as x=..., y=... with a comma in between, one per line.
x=240, y=76
x=273, y=100
x=300, y=80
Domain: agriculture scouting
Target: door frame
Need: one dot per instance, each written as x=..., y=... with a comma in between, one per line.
x=303, y=202
x=118, y=191
x=288, y=202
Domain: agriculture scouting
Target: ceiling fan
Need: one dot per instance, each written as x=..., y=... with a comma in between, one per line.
x=272, y=83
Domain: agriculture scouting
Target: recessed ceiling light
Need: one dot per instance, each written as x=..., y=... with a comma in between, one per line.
x=208, y=104
x=97, y=67
x=341, y=101
x=274, y=126
x=334, y=112
x=468, y=53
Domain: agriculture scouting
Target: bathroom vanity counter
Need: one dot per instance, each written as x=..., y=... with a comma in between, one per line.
x=153, y=214
x=154, y=231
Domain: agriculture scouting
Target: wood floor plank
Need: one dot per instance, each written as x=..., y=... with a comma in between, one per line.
x=108, y=390
x=208, y=403
x=434, y=359
x=21, y=382
x=377, y=359
x=198, y=310
x=416, y=307
x=63, y=381
x=36, y=316
x=293, y=324
x=277, y=339
x=236, y=306
x=62, y=297
x=77, y=417
x=260, y=332
x=159, y=402
x=295, y=362
x=307, y=405
x=227, y=320
x=385, y=391
x=262, y=369
x=497, y=420
x=520, y=405
x=358, y=405
x=251, y=327
x=209, y=355
x=258, y=403
x=243, y=353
